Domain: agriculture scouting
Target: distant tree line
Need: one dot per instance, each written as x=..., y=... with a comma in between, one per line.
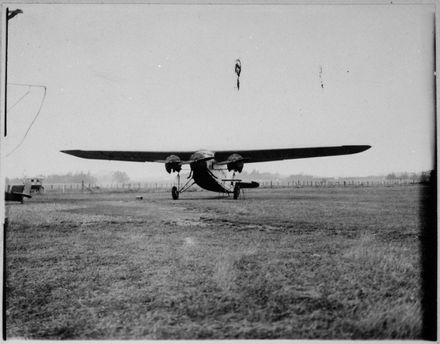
x=422, y=177
x=77, y=178
x=265, y=176
x=120, y=177
x=71, y=178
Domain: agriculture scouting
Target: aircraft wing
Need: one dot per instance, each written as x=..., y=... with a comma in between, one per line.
x=128, y=155
x=262, y=155
x=249, y=156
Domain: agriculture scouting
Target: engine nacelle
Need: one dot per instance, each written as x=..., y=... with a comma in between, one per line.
x=173, y=164
x=235, y=163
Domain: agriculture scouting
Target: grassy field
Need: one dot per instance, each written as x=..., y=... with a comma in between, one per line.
x=286, y=263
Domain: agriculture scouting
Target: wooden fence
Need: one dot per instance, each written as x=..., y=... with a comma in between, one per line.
x=164, y=187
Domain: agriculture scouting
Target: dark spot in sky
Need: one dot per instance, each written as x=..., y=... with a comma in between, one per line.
x=320, y=76
x=238, y=71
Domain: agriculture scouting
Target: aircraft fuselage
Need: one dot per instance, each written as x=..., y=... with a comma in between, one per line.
x=209, y=175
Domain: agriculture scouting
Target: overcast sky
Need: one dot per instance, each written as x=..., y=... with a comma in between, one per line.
x=161, y=77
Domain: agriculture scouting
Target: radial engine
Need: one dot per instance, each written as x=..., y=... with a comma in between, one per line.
x=235, y=163
x=173, y=164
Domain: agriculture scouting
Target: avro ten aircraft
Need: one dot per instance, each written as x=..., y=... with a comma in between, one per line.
x=215, y=171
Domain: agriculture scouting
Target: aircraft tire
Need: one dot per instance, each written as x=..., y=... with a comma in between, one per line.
x=236, y=191
x=174, y=193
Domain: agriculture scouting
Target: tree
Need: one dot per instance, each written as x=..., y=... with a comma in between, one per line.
x=120, y=177
x=391, y=176
x=425, y=177
x=404, y=175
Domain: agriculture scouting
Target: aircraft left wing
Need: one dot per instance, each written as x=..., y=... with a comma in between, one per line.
x=263, y=155
x=128, y=155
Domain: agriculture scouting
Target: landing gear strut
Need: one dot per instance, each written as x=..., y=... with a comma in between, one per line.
x=175, y=193
x=236, y=191
x=177, y=190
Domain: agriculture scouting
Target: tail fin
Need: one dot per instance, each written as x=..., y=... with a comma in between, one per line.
x=27, y=189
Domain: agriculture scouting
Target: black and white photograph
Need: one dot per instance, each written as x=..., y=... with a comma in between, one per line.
x=213, y=170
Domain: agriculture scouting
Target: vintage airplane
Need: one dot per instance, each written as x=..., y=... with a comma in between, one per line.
x=17, y=193
x=215, y=171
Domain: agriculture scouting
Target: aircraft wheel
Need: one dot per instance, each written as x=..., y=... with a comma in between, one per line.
x=236, y=191
x=175, y=193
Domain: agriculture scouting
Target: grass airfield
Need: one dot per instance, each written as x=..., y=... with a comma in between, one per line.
x=307, y=263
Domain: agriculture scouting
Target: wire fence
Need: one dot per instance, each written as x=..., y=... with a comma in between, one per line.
x=274, y=184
